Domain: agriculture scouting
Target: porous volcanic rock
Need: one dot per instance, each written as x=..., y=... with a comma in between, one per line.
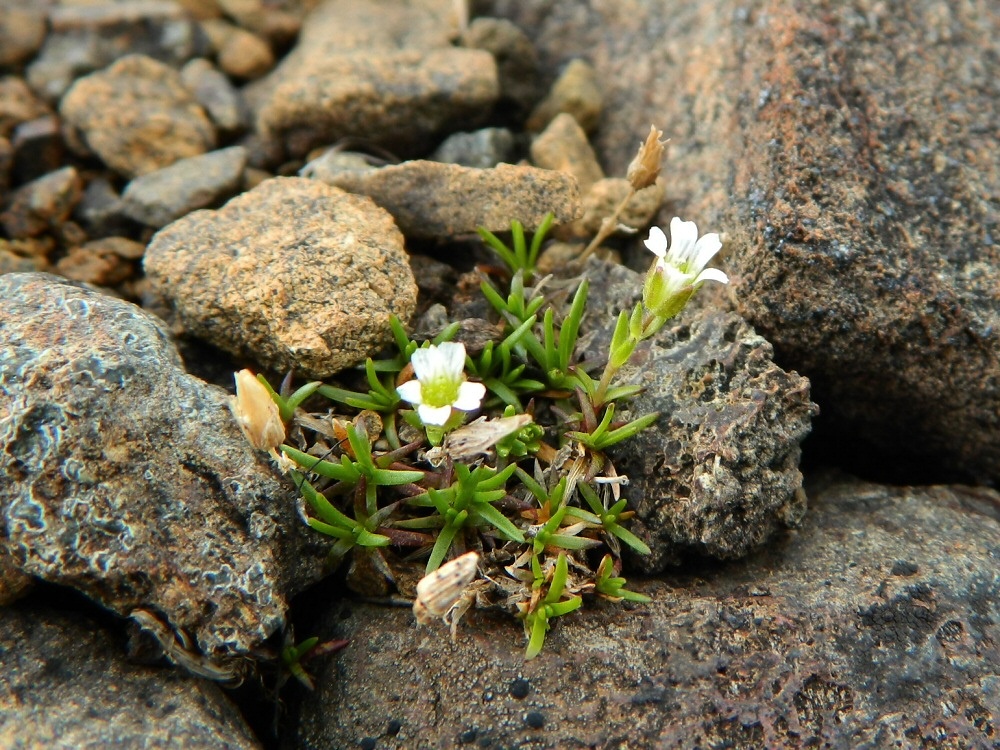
x=431, y=199
x=718, y=473
x=293, y=274
x=64, y=683
x=875, y=624
x=846, y=150
x=127, y=479
x=137, y=116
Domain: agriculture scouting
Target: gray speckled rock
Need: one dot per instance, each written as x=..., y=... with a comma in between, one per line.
x=127, y=479
x=65, y=684
x=483, y=148
x=718, y=473
x=294, y=274
x=873, y=626
x=216, y=95
x=430, y=199
x=137, y=116
x=158, y=198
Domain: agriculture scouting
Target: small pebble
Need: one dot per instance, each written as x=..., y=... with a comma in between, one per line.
x=368, y=743
x=534, y=719
x=467, y=737
x=519, y=688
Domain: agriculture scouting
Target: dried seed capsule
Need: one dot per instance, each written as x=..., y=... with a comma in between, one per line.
x=439, y=590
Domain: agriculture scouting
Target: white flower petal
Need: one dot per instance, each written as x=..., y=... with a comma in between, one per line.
x=424, y=363
x=712, y=274
x=674, y=279
x=470, y=396
x=704, y=250
x=451, y=355
x=683, y=236
x=411, y=391
x=436, y=415
x=657, y=242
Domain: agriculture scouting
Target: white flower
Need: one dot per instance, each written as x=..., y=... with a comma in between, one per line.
x=440, y=383
x=680, y=269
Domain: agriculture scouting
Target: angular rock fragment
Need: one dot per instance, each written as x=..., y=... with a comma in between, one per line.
x=158, y=198
x=874, y=625
x=217, y=96
x=65, y=683
x=293, y=274
x=125, y=478
x=398, y=99
x=22, y=31
x=483, y=148
x=576, y=92
x=430, y=199
x=137, y=116
x=563, y=146
x=718, y=473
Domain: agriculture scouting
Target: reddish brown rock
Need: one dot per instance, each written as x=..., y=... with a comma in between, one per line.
x=294, y=274
x=43, y=204
x=18, y=104
x=563, y=146
x=22, y=30
x=845, y=150
x=137, y=116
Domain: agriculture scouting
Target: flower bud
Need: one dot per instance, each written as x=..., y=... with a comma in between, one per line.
x=256, y=413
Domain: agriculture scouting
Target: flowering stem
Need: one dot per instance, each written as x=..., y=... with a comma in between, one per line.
x=608, y=227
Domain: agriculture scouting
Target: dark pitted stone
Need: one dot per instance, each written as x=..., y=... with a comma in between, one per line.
x=718, y=473
x=811, y=643
x=127, y=479
x=85, y=37
x=293, y=274
x=846, y=150
x=430, y=199
x=65, y=683
x=137, y=116
x=158, y=198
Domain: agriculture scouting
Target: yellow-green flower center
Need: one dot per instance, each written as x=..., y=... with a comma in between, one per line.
x=440, y=391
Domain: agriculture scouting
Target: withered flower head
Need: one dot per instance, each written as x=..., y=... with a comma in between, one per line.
x=645, y=167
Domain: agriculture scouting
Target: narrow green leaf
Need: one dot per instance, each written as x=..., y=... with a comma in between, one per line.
x=558, y=609
x=441, y=546
x=501, y=522
x=630, y=539
x=571, y=325
x=367, y=539
x=325, y=528
x=559, y=577
x=393, y=477
x=539, y=237
x=537, y=640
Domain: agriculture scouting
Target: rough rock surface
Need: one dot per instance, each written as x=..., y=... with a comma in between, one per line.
x=846, y=150
x=137, y=116
x=42, y=204
x=718, y=473
x=564, y=146
x=158, y=198
x=874, y=625
x=481, y=148
x=127, y=479
x=398, y=99
x=294, y=274
x=65, y=684
x=85, y=37
x=22, y=30
x=430, y=199
x=17, y=105
x=337, y=27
